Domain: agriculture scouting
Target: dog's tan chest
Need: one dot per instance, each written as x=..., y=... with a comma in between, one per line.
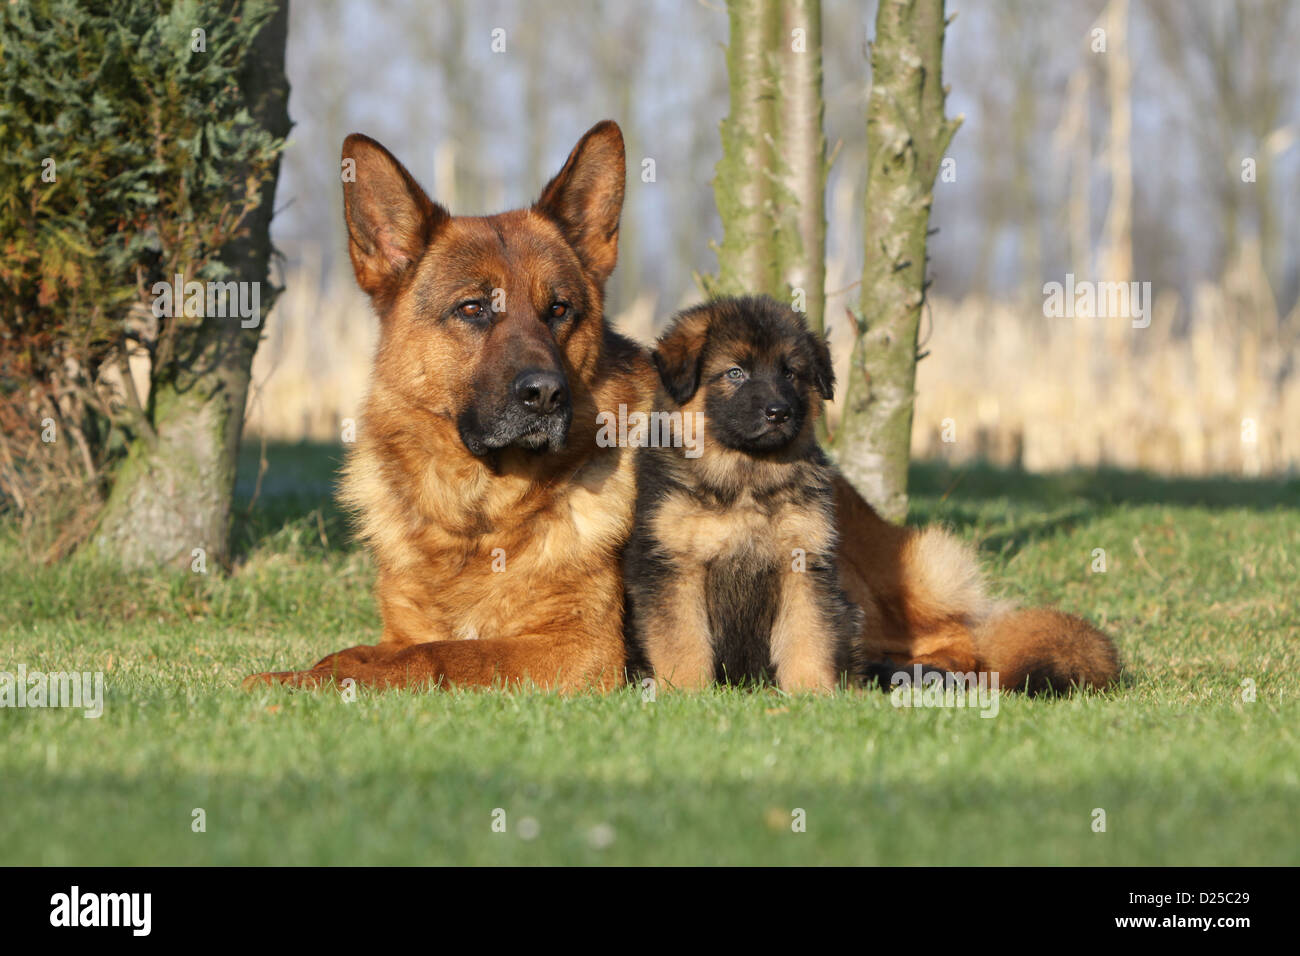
x=693, y=529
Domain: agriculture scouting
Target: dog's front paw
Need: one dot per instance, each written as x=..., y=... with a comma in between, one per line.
x=311, y=678
x=354, y=662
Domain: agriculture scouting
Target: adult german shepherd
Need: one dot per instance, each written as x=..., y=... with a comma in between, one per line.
x=496, y=519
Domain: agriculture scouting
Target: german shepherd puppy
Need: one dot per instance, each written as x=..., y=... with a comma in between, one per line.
x=731, y=572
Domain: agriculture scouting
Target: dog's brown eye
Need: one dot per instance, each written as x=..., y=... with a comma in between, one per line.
x=559, y=310
x=789, y=373
x=470, y=310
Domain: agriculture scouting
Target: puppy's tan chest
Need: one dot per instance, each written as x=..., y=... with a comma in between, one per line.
x=695, y=530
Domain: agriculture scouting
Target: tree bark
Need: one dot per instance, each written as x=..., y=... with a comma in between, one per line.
x=802, y=169
x=742, y=185
x=173, y=495
x=771, y=182
x=907, y=134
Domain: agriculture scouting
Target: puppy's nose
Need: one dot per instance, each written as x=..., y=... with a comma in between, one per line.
x=778, y=413
x=541, y=392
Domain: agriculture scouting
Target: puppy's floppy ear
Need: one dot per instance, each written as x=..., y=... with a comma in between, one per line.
x=822, y=370
x=585, y=198
x=390, y=219
x=679, y=354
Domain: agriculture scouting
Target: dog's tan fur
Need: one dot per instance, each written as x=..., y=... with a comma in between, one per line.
x=926, y=603
x=676, y=640
x=802, y=658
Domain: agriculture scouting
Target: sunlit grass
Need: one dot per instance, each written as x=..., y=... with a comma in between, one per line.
x=1198, y=590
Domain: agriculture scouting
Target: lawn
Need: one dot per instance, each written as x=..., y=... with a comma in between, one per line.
x=1199, y=590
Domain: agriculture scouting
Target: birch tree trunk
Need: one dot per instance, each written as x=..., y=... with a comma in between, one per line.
x=173, y=492
x=801, y=151
x=1116, y=259
x=771, y=181
x=907, y=134
x=1117, y=240
x=742, y=185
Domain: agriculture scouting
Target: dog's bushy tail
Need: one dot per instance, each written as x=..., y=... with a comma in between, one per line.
x=1037, y=650
x=1041, y=650
x=925, y=603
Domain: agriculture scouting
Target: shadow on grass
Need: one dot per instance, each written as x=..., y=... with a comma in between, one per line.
x=295, y=496
x=1107, y=486
x=1007, y=509
x=1009, y=541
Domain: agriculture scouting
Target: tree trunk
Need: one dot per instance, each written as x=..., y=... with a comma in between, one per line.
x=1117, y=256
x=801, y=148
x=771, y=183
x=172, y=494
x=743, y=185
x=1116, y=260
x=907, y=134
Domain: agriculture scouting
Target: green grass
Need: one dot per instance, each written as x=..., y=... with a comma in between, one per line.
x=1200, y=591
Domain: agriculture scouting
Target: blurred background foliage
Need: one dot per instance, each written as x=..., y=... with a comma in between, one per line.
x=1058, y=168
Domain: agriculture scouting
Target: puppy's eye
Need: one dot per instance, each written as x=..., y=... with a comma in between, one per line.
x=789, y=373
x=470, y=310
x=735, y=373
x=559, y=310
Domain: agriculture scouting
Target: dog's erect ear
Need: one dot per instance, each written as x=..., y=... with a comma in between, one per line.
x=680, y=352
x=822, y=369
x=585, y=198
x=390, y=219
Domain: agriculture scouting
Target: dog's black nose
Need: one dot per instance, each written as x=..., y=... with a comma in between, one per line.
x=778, y=413
x=541, y=392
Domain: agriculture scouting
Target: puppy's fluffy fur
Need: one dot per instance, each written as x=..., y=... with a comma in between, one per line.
x=730, y=572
